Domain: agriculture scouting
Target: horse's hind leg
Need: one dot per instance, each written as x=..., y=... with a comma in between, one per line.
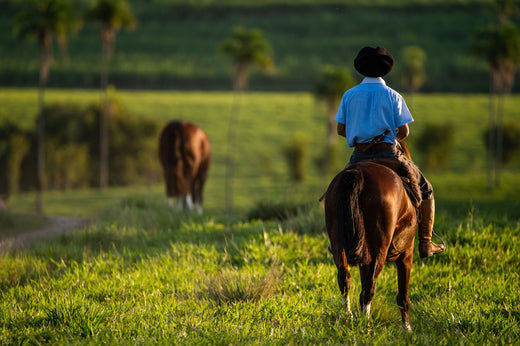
x=198, y=184
x=185, y=203
x=404, y=268
x=369, y=274
x=344, y=286
x=169, y=177
x=180, y=203
x=196, y=191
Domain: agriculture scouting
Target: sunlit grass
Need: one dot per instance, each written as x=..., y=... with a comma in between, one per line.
x=146, y=274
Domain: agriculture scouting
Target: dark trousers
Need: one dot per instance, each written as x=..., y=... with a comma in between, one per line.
x=394, y=153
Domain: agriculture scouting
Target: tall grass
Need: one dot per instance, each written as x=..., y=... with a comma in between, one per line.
x=145, y=274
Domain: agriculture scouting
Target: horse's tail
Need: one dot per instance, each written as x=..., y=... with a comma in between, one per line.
x=171, y=154
x=351, y=227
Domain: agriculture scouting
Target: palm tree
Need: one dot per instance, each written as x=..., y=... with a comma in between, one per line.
x=504, y=9
x=500, y=46
x=413, y=75
x=111, y=15
x=246, y=48
x=44, y=20
x=332, y=83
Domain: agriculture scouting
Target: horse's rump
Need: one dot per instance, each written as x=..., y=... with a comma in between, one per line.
x=369, y=200
x=184, y=152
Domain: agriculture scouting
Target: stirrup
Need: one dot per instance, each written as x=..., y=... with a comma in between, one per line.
x=441, y=247
x=437, y=236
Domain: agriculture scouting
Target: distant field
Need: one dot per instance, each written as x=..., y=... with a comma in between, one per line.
x=268, y=119
x=176, y=43
x=267, y=122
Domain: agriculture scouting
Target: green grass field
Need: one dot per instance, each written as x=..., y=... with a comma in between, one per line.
x=143, y=274
x=267, y=121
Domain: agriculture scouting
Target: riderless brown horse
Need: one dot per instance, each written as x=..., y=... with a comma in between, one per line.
x=371, y=221
x=3, y=201
x=185, y=155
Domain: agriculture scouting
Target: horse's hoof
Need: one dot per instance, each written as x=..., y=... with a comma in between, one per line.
x=407, y=327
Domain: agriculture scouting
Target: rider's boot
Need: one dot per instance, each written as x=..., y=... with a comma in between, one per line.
x=426, y=247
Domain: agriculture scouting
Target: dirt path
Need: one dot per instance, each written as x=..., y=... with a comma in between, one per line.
x=57, y=225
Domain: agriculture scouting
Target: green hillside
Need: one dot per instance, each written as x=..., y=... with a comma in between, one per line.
x=175, y=45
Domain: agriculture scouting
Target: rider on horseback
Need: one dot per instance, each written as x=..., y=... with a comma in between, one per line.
x=373, y=118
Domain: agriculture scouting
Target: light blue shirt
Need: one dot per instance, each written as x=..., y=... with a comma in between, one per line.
x=369, y=109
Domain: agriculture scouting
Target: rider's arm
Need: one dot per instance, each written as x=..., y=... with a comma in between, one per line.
x=341, y=130
x=402, y=132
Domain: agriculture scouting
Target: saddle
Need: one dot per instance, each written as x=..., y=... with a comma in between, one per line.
x=408, y=174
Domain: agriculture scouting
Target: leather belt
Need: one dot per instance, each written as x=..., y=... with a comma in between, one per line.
x=372, y=147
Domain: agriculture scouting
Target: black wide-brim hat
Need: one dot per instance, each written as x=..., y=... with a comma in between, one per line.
x=374, y=62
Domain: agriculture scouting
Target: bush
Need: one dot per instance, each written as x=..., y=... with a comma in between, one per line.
x=73, y=146
x=329, y=161
x=296, y=153
x=72, y=150
x=510, y=142
x=277, y=210
x=133, y=150
x=436, y=144
x=67, y=166
x=15, y=145
x=229, y=286
x=70, y=135
x=309, y=221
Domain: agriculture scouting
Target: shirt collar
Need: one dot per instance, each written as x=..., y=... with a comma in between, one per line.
x=372, y=80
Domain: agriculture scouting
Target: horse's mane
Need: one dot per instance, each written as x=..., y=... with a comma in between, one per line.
x=401, y=145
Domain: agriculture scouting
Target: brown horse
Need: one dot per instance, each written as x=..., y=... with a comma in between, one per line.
x=185, y=155
x=371, y=221
x=3, y=201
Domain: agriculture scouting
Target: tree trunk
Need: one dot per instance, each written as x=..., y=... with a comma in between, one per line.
x=45, y=64
x=104, y=136
x=491, y=137
x=232, y=148
x=40, y=179
x=499, y=139
x=507, y=79
x=332, y=106
x=240, y=76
